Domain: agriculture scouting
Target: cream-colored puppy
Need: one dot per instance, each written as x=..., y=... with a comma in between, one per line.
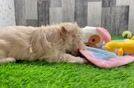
x=55, y=43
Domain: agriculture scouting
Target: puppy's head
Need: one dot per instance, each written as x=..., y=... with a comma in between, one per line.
x=71, y=35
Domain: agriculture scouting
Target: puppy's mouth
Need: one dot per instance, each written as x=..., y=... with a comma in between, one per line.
x=75, y=52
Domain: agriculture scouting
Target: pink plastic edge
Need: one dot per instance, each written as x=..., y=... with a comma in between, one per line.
x=104, y=33
x=113, y=62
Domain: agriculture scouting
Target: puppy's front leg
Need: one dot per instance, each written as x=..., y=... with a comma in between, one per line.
x=7, y=60
x=67, y=58
x=72, y=59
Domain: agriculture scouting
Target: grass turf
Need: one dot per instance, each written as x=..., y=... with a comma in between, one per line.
x=38, y=74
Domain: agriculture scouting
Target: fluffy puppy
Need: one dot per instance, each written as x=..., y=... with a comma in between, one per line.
x=55, y=43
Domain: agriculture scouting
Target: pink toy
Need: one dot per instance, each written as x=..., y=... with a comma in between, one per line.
x=109, y=63
x=104, y=33
x=95, y=36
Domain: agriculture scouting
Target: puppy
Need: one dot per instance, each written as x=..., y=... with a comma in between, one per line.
x=55, y=43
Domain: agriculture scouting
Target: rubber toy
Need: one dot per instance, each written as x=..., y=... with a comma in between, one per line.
x=122, y=47
x=127, y=34
x=95, y=36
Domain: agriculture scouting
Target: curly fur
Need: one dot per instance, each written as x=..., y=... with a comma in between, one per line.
x=55, y=43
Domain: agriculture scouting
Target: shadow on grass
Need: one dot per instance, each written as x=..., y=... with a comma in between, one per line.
x=36, y=62
x=45, y=63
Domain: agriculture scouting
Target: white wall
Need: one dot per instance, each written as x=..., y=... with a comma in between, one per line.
x=7, y=13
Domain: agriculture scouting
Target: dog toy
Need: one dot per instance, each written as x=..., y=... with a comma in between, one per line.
x=105, y=59
x=121, y=47
x=95, y=36
x=127, y=34
x=132, y=38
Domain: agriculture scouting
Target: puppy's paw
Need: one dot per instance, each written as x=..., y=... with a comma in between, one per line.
x=7, y=60
x=78, y=60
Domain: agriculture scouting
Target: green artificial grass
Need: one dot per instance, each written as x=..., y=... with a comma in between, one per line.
x=37, y=74
x=117, y=37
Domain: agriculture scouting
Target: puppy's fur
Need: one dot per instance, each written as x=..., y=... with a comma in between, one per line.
x=56, y=43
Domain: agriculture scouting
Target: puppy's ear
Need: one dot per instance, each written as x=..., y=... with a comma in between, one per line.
x=64, y=31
